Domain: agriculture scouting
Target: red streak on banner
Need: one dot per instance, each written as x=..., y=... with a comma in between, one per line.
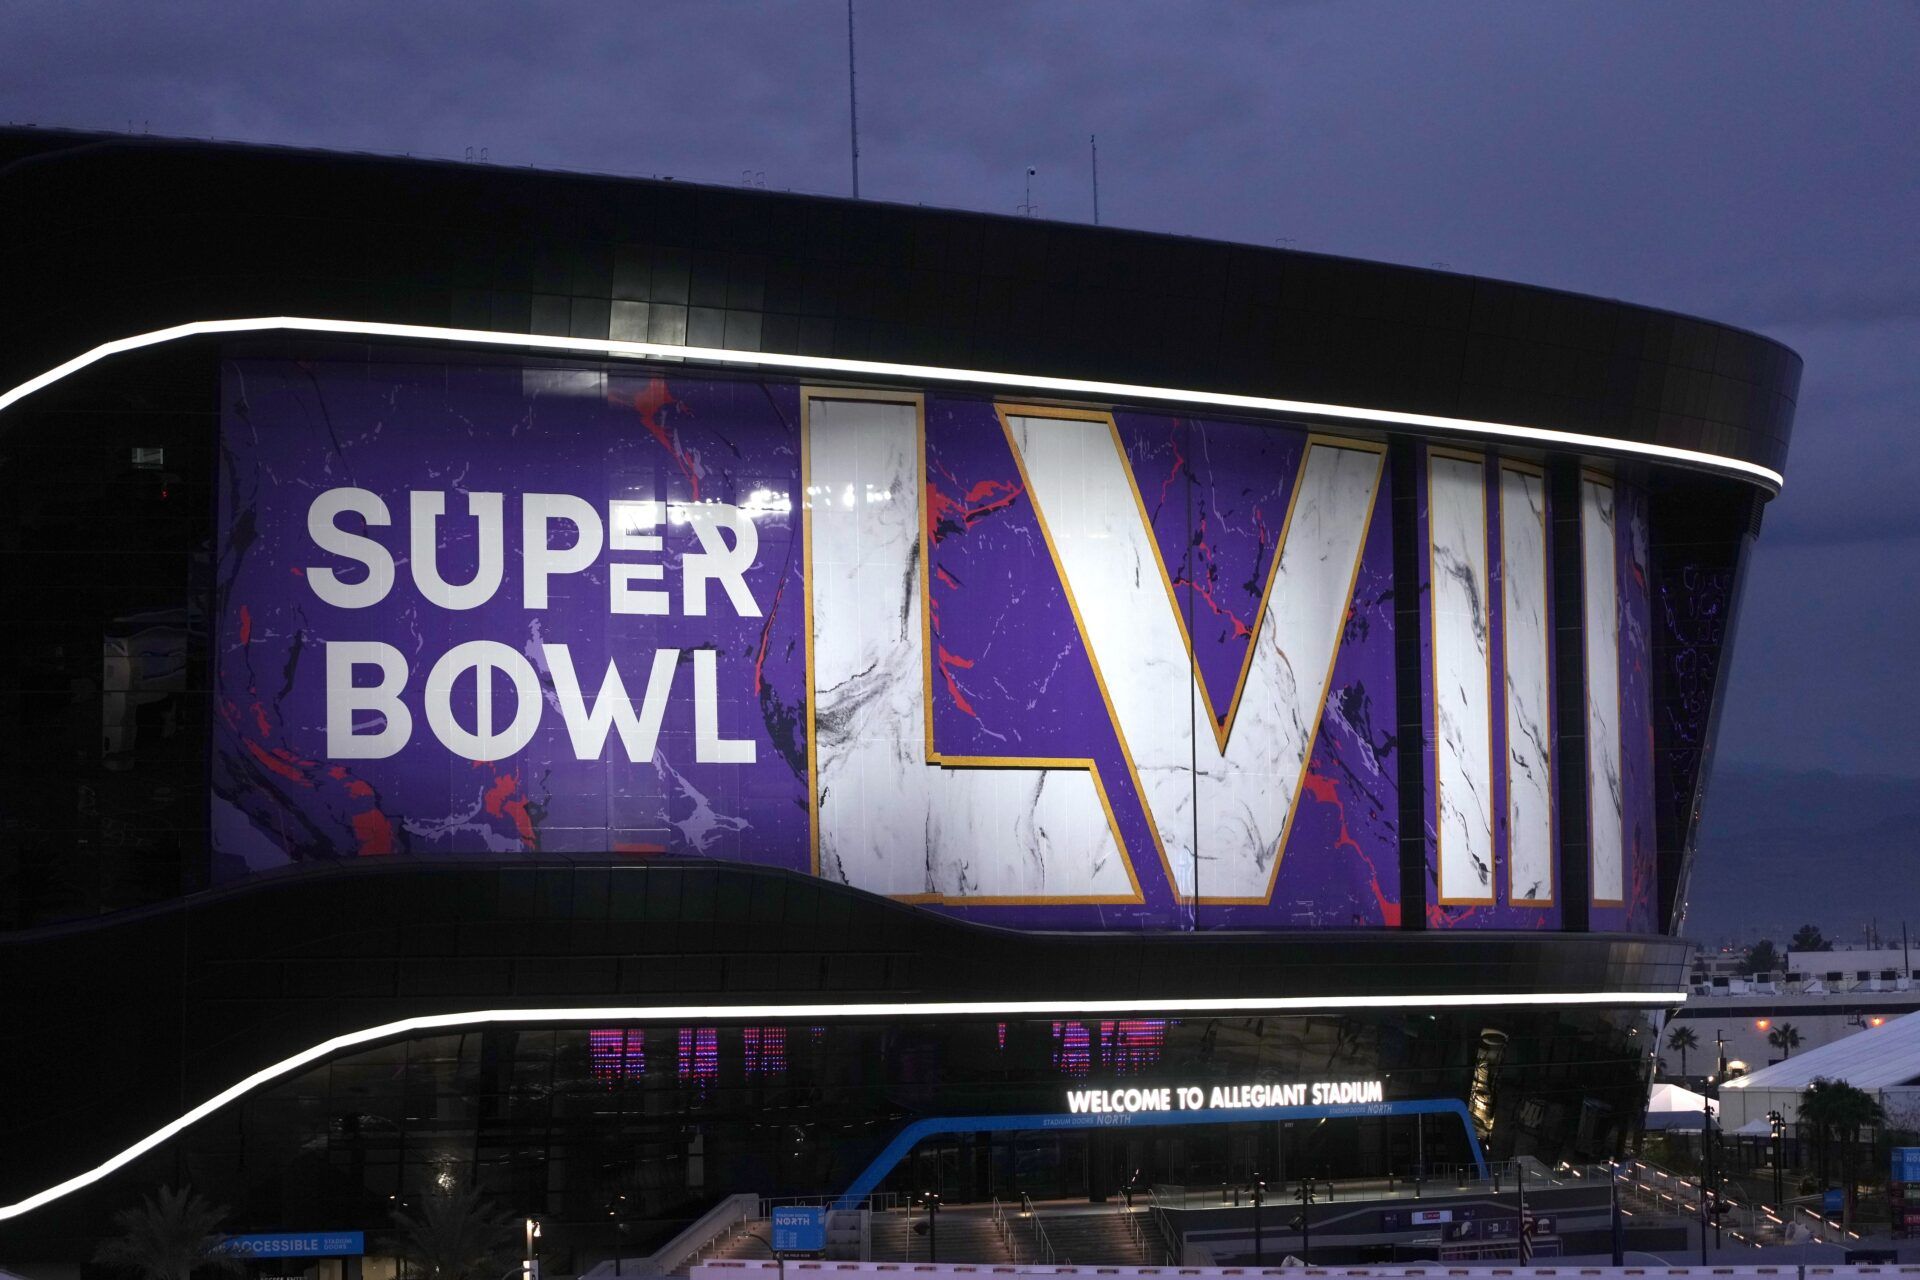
x=948, y=515
x=1179, y=465
x=980, y=501
x=651, y=402
x=499, y=805
x=1326, y=790
x=276, y=764
x=1242, y=629
x=496, y=795
x=947, y=662
x=374, y=830
x=523, y=822
x=766, y=633
x=246, y=624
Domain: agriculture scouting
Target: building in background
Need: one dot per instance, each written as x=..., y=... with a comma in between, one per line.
x=1885, y=1065
x=1768, y=1017
x=616, y=692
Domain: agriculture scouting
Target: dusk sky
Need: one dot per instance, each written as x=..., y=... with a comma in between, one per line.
x=1751, y=163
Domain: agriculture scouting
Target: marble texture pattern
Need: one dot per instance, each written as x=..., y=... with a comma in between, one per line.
x=1639, y=821
x=1216, y=494
x=292, y=428
x=1239, y=801
x=1462, y=676
x=889, y=820
x=1606, y=831
x=1527, y=686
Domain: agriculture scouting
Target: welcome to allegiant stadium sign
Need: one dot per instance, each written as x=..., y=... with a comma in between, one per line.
x=1234, y=1097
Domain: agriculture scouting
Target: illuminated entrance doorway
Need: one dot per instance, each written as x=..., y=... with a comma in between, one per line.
x=1049, y=1156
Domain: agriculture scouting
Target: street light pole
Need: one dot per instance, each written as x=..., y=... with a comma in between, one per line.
x=1708, y=1182
x=1778, y=1123
x=779, y=1258
x=1259, y=1257
x=931, y=1199
x=1306, y=1225
x=1617, y=1224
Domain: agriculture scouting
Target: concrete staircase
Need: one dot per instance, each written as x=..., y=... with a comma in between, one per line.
x=742, y=1243
x=1100, y=1237
x=964, y=1236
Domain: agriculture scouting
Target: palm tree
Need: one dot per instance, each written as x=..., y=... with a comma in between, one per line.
x=1834, y=1106
x=1785, y=1038
x=458, y=1236
x=168, y=1237
x=1681, y=1039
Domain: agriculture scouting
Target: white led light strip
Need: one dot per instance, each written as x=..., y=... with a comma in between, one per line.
x=888, y=369
x=818, y=1012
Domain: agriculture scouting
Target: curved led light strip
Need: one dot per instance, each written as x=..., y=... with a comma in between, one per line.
x=815, y=1013
x=888, y=369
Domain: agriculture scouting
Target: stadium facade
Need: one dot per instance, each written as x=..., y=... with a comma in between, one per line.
x=617, y=692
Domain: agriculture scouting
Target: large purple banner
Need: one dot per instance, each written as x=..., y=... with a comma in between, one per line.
x=538, y=656
x=1042, y=667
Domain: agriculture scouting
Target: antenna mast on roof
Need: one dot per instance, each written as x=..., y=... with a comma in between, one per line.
x=853, y=103
x=1093, y=147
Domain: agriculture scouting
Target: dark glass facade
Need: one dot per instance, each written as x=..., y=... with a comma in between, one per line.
x=137, y=987
x=628, y=1133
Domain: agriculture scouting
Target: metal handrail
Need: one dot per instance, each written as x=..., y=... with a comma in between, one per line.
x=1133, y=1228
x=998, y=1213
x=1163, y=1222
x=1043, y=1247
x=1139, y=1235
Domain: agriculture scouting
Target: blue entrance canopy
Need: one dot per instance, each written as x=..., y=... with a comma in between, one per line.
x=909, y=1137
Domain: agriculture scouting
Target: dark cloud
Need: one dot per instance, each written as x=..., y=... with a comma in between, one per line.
x=1750, y=162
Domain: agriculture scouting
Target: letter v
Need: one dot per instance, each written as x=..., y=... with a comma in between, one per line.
x=1244, y=791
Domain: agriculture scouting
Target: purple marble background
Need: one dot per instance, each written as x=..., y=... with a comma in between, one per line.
x=293, y=429
x=1641, y=912
x=1010, y=678
x=1216, y=494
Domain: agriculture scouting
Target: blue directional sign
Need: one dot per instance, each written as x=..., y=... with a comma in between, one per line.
x=1906, y=1164
x=297, y=1244
x=800, y=1229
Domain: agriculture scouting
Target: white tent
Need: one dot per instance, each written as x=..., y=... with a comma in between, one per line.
x=1882, y=1060
x=1672, y=1109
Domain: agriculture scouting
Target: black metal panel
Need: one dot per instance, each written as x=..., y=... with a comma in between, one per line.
x=1698, y=554
x=149, y=1012
x=226, y=230
x=1409, y=543
x=1569, y=691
